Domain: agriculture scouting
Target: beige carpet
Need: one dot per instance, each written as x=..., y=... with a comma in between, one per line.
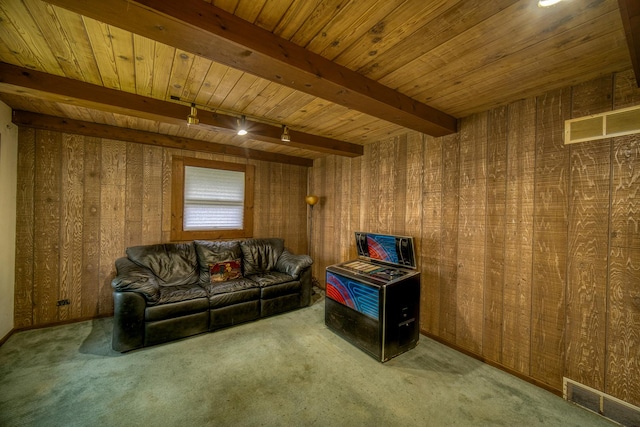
x=288, y=370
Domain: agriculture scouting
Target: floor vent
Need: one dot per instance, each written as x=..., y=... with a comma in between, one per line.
x=608, y=406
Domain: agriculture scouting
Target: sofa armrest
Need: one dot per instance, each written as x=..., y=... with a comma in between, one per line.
x=131, y=277
x=306, y=284
x=128, y=321
x=292, y=264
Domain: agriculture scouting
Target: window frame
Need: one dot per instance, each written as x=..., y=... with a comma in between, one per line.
x=178, y=164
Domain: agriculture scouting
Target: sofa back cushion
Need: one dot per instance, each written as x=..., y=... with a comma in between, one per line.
x=260, y=255
x=212, y=253
x=173, y=263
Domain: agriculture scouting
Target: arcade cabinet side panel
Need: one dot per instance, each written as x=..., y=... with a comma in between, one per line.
x=402, y=317
x=352, y=311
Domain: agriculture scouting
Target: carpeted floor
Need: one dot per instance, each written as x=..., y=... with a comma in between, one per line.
x=287, y=370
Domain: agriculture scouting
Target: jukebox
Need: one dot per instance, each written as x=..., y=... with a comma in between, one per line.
x=374, y=301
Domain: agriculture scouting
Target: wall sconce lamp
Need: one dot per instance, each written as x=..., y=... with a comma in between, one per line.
x=242, y=126
x=192, y=118
x=285, y=135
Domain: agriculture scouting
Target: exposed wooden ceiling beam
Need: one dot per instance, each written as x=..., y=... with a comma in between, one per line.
x=79, y=127
x=210, y=32
x=113, y=100
x=630, y=13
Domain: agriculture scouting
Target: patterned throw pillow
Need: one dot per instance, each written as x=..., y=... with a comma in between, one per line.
x=226, y=270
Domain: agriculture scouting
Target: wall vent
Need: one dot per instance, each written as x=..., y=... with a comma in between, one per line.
x=601, y=403
x=625, y=121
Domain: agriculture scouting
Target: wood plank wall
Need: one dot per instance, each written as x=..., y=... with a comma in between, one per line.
x=529, y=249
x=82, y=201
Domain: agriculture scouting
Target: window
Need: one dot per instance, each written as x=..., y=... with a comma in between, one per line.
x=210, y=199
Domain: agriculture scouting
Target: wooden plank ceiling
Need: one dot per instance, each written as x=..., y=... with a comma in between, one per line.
x=339, y=73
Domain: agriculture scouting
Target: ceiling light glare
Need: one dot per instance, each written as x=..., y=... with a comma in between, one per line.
x=242, y=126
x=547, y=3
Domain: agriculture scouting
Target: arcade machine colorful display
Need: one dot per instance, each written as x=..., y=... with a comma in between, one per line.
x=374, y=301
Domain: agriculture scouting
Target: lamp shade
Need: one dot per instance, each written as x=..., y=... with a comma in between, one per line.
x=311, y=200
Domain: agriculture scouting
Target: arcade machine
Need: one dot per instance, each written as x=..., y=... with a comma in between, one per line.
x=374, y=301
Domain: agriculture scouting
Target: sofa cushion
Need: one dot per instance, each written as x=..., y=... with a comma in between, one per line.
x=260, y=255
x=232, y=298
x=231, y=292
x=270, y=278
x=181, y=308
x=230, y=286
x=287, y=288
x=173, y=263
x=225, y=270
x=210, y=253
x=176, y=293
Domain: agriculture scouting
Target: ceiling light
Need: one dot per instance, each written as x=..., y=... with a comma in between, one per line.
x=285, y=134
x=192, y=118
x=242, y=126
x=547, y=3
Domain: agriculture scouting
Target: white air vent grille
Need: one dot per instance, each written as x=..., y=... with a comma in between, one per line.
x=608, y=406
x=606, y=125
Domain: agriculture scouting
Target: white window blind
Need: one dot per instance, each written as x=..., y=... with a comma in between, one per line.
x=213, y=199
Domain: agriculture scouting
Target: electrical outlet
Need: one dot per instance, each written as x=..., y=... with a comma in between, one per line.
x=63, y=302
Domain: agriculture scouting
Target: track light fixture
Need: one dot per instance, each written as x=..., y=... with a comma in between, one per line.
x=285, y=134
x=192, y=118
x=242, y=126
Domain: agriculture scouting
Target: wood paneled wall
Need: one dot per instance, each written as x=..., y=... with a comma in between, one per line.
x=83, y=200
x=529, y=249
